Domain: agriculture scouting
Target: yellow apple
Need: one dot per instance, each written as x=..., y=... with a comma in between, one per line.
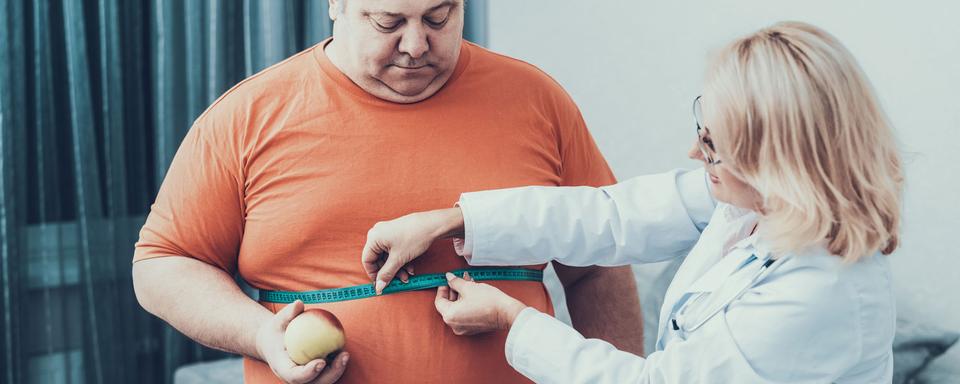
x=314, y=334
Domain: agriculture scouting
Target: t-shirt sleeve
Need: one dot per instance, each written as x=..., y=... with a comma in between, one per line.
x=199, y=210
x=582, y=162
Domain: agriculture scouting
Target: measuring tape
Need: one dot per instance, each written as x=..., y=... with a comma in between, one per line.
x=414, y=283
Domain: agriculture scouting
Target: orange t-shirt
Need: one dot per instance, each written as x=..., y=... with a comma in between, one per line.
x=281, y=178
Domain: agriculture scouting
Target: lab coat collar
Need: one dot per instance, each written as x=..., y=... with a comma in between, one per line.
x=728, y=269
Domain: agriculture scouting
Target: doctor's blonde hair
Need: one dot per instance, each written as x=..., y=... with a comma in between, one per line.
x=792, y=112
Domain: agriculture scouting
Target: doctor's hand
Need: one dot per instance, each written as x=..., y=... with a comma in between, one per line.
x=392, y=245
x=469, y=307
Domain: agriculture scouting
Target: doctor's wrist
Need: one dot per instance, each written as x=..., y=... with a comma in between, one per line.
x=509, y=311
x=450, y=223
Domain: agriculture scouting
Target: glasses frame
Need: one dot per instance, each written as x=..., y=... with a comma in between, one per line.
x=707, y=149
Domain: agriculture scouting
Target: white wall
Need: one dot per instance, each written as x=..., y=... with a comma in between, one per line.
x=635, y=66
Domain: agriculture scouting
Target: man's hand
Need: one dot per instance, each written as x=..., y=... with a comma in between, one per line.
x=271, y=350
x=392, y=245
x=470, y=308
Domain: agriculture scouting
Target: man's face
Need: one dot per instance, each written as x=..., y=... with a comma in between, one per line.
x=402, y=51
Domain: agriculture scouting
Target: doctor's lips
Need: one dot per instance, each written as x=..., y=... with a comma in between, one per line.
x=714, y=179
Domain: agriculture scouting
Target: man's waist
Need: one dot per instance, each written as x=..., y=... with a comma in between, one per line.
x=415, y=283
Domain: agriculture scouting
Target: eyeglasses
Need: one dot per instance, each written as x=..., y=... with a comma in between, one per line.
x=703, y=134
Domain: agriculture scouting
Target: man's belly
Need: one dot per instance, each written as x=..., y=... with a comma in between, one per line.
x=401, y=338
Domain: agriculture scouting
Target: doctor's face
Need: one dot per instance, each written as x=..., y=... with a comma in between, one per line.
x=725, y=185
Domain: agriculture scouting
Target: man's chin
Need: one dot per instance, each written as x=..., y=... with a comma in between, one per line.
x=409, y=88
x=408, y=92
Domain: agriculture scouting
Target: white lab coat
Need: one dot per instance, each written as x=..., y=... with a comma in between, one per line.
x=807, y=318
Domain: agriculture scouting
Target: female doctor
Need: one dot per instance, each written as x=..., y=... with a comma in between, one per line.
x=799, y=196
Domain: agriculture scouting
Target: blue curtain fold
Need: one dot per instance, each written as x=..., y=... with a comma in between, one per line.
x=95, y=97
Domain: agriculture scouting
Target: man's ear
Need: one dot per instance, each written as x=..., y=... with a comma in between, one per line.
x=334, y=9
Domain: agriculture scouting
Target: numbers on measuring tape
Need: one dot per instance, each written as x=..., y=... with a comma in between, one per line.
x=414, y=283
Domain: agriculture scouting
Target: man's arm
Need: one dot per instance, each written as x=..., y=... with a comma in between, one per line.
x=604, y=304
x=201, y=301
x=205, y=303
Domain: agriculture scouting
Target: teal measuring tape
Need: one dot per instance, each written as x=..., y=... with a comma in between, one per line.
x=414, y=283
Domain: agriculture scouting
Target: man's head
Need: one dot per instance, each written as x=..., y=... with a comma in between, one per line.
x=402, y=51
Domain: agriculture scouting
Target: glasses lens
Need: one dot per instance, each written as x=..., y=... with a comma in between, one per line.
x=708, y=154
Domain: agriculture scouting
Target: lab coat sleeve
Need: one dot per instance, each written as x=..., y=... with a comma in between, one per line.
x=770, y=336
x=641, y=220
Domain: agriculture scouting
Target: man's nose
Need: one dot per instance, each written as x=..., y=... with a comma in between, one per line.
x=414, y=41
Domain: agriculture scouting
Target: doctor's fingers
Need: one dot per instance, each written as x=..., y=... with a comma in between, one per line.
x=377, y=249
x=394, y=266
x=461, y=285
x=446, y=294
x=371, y=257
x=448, y=310
x=454, y=295
x=404, y=273
x=442, y=302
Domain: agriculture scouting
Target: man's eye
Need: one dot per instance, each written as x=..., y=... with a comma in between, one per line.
x=386, y=26
x=437, y=22
x=438, y=18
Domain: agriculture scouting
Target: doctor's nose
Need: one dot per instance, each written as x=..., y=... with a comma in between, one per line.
x=695, y=153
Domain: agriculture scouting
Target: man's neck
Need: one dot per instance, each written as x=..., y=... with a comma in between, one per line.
x=374, y=86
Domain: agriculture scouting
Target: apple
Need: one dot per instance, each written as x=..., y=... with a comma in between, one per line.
x=313, y=334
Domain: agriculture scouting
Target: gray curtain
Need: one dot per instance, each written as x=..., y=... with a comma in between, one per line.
x=95, y=96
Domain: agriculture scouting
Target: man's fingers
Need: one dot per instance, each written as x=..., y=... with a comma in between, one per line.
x=289, y=312
x=307, y=372
x=334, y=370
x=409, y=269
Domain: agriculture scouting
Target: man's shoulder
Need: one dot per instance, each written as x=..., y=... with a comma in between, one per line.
x=511, y=70
x=276, y=82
